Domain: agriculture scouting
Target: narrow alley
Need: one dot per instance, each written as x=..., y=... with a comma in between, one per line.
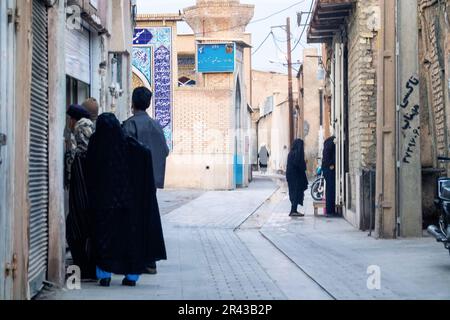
x=247, y=248
x=253, y=150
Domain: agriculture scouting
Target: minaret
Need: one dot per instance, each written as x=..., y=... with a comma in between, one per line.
x=219, y=19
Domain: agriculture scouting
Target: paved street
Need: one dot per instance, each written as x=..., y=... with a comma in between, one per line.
x=242, y=245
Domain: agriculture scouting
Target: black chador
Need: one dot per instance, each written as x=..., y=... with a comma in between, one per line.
x=296, y=175
x=127, y=225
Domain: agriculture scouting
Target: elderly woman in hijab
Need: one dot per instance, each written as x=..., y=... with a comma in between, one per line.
x=127, y=225
x=296, y=177
x=78, y=226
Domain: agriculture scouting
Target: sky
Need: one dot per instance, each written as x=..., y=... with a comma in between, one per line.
x=269, y=57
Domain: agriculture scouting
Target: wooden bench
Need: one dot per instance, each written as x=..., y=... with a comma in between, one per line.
x=318, y=205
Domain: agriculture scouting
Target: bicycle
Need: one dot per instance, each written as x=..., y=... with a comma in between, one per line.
x=318, y=186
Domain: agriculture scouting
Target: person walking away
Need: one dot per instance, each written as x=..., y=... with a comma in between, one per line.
x=329, y=171
x=296, y=177
x=148, y=132
x=128, y=234
x=263, y=159
x=78, y=224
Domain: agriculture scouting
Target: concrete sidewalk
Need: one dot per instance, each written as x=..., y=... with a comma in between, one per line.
x=206, y=259
x=243, y=245
x=337, y=257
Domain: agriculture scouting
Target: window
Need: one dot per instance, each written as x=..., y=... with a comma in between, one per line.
x=76, y=91
x=186, y=70
x=186, y=82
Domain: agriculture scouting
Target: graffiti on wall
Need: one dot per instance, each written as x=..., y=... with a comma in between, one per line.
x=410, y=122
x=157, y=40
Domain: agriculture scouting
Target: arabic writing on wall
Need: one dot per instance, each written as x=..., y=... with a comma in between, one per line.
x=410, y=124
x=160, y=40
x=162, y=86
x=142, y=61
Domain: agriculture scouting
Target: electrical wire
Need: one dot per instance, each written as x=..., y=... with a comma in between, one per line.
x=304, y=27
x=281, y=40
x=277, y=46
x=277, y=13
x=262, y=43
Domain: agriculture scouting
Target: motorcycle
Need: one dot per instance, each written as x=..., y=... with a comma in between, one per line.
x=318, y=186
x=442, y=231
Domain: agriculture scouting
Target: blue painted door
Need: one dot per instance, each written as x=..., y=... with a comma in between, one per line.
x=238, y=157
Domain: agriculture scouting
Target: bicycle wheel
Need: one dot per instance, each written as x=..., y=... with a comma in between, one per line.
x=317, y=190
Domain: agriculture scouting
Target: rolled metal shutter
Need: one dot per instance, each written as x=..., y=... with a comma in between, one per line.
x=38, y=162
x=78, y=54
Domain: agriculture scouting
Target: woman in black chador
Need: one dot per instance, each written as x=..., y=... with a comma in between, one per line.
x=78, y=224
x=329, y=171
x=296, y=176
x=127, y=233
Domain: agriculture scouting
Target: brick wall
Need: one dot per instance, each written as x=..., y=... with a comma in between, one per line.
x=433, y=57
x=311, y=109
x=202, y=120
x=434, y=54
x=362, y=93
x=202, y=157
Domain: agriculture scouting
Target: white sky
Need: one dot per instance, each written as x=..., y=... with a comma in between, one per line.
x=263, y=8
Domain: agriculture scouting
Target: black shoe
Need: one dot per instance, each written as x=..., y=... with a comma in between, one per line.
x=128, y=283
x=151, y=269
x=297, y=214
x=105, y=282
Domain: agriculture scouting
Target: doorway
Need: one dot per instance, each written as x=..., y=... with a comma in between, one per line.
x=238, y=154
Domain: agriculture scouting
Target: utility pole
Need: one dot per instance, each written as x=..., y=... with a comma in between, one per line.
x=290, y=89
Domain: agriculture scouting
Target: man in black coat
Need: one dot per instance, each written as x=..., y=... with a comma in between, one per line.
x=148, y=132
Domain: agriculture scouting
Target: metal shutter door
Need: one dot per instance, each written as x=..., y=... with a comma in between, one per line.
x=38, y=163
x=78, y=54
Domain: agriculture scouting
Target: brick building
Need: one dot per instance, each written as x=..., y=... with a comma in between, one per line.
x=434, y=54
x=370, y=53
x=270, y=102
x=203, y=107
x=310, y=119
x=351, y=56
